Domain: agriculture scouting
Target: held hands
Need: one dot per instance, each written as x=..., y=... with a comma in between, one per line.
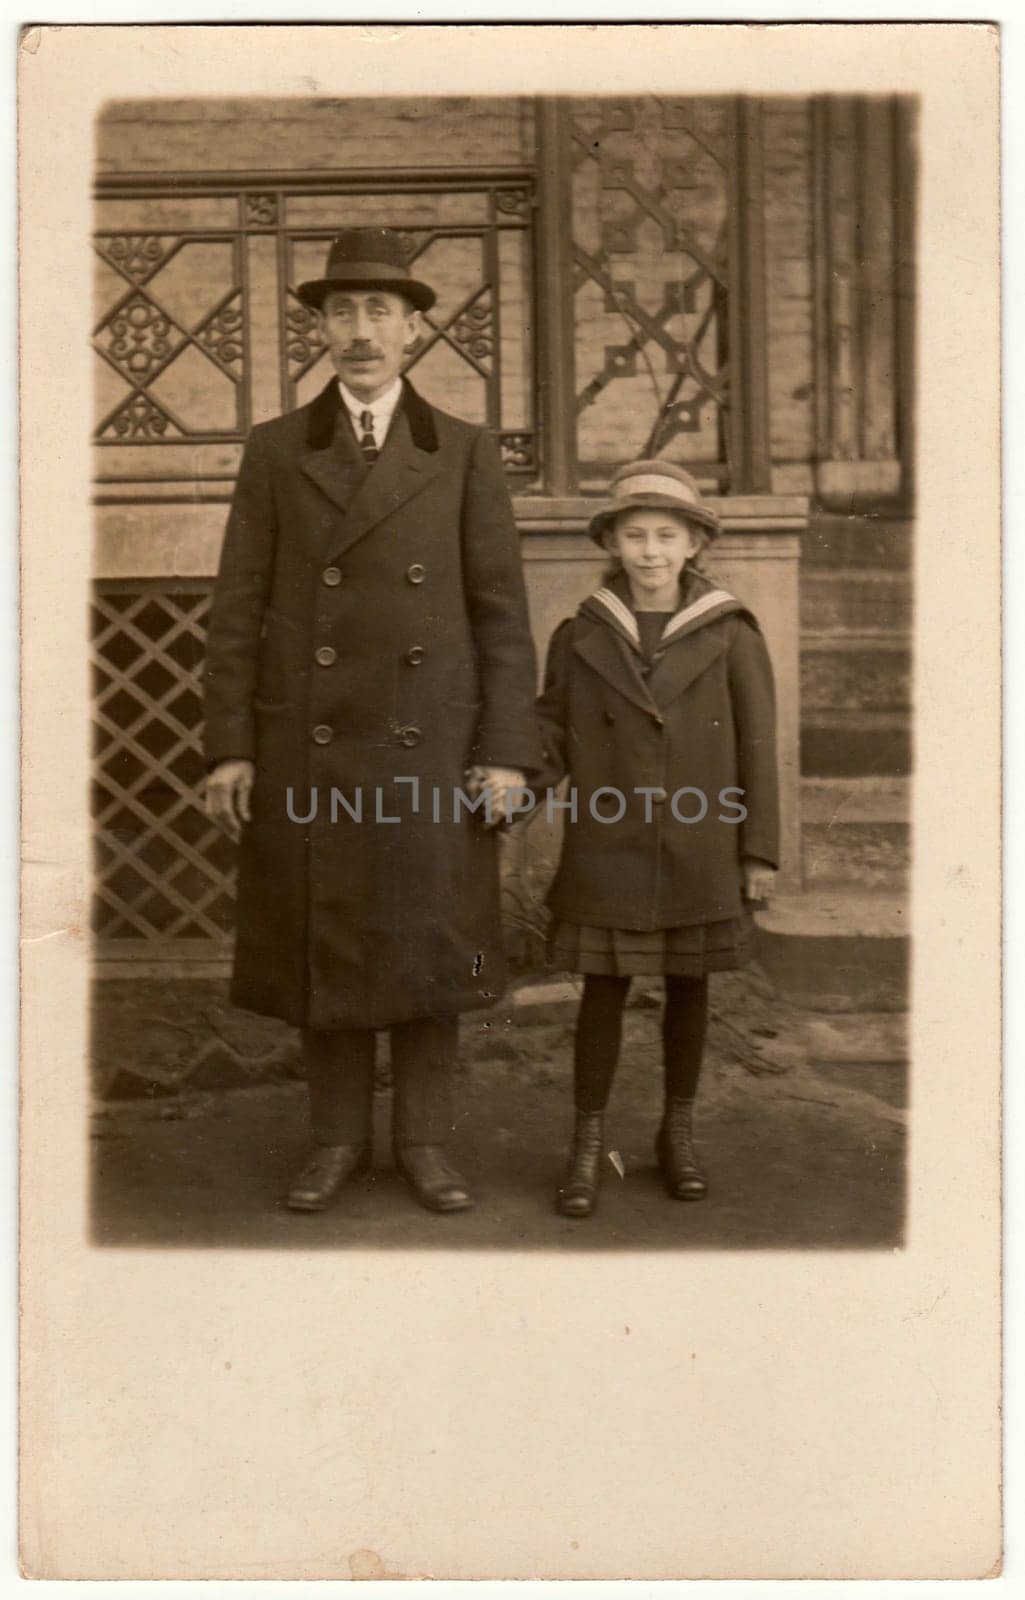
x=228, y=791
x=758, y=878
x=501, y=785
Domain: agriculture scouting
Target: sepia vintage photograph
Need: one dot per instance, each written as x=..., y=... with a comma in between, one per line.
x=510, y=627
x=612, y=397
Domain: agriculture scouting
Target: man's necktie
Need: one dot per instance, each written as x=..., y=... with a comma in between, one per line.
x=368, y=443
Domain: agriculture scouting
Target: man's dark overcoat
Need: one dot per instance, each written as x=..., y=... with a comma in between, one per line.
x=701, y=717
x=368, y=625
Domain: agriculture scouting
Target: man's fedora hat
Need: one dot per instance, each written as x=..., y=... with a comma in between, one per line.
x=367, y=258
x=653, y=483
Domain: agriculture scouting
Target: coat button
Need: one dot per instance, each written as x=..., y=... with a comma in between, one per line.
x=322, y=734
x=658, y=719
x=415, y=654
x=416, y=573
x=409, y=737
x=659, y=796
x=325, y=655
x=609, y=717
x=332, y=576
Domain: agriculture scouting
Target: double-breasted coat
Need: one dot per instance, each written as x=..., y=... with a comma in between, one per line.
x=368, y=641
x=700, y=720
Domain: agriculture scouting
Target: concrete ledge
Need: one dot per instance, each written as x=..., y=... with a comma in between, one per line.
x=161, y=530
x=761, y=513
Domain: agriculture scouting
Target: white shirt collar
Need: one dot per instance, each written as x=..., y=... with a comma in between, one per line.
x=382, y=409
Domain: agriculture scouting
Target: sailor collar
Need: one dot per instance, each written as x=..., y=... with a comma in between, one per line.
x=703, y=603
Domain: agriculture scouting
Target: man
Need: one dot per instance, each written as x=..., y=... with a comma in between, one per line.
x=370, y=676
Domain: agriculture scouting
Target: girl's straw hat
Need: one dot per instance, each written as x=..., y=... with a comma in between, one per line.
x=653, y=483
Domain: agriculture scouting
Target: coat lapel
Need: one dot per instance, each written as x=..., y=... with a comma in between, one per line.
x=690, y=642
x=608, y=653
x=683, y=661
x=332, y=457
x=401, y=472
x=407, y=463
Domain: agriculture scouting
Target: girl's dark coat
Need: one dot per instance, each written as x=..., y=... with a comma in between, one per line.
x=412, y=576
x=703, y=718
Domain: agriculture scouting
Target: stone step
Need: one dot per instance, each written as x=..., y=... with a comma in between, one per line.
x=839, y=541
x=857, y=670
x=860, y=855
x=860, y=799
x=841, y=743
x=855, y=833
x=837, y=952
x=855, y=598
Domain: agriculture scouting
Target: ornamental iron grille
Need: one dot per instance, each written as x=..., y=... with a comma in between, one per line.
x=171, y=337
x=162, y=870
x=199, y=332
x=652, y=191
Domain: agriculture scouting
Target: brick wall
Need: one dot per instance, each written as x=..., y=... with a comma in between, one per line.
x=254, y=134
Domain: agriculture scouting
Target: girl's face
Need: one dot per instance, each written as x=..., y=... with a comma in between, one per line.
x=654, y=546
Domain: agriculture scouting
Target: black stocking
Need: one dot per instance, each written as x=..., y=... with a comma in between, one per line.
x=599, y=1031
x=683, y=1035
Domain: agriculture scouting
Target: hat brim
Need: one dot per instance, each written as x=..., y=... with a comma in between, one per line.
x=421, y=295
x=603, y=520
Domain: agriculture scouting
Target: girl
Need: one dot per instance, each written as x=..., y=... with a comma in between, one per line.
x=658, y=705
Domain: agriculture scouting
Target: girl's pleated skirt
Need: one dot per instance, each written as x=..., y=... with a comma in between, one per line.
x=691, y=952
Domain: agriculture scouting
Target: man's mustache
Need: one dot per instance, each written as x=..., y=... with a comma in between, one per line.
x=360, y=351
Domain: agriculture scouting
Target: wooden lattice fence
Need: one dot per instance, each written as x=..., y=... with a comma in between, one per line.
x=163, y=872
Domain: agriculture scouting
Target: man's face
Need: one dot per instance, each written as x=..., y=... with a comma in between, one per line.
x=367, y=333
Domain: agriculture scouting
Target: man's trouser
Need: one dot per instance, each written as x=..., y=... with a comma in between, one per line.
x=339, y=1067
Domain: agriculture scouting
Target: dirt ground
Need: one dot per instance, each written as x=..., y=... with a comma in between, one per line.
x=802, y=1151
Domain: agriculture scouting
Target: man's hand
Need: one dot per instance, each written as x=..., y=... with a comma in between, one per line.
x=502, y=785
x=759, y=878
x=228, y=789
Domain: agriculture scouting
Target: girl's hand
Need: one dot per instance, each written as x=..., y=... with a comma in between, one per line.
x=505, y=790
x=759, y=879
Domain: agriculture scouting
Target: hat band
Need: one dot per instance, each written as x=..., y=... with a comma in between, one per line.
x=367, y=269
x=656, y=483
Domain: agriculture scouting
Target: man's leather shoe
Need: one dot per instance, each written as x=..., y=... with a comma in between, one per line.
x=328, y=1169
x=432, y=1177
